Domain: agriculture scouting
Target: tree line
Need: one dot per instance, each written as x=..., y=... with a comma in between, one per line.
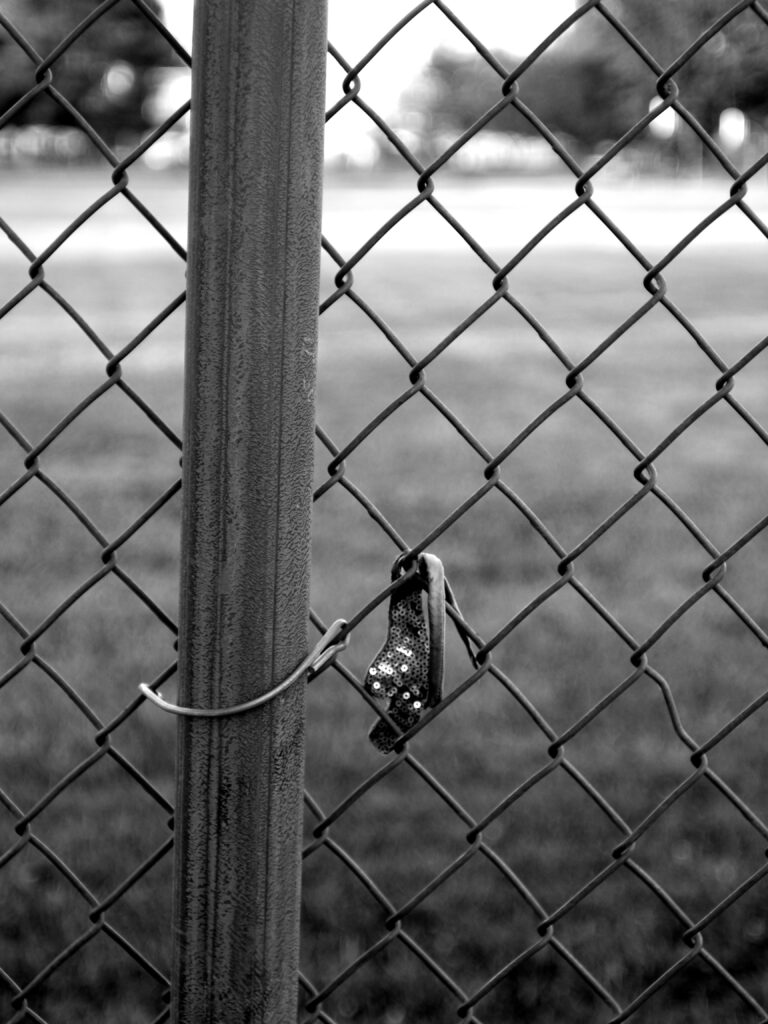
x=591, y=87
x=594, y=85
x=106, y=74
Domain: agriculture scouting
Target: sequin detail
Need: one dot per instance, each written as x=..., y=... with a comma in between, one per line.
x=404, y=662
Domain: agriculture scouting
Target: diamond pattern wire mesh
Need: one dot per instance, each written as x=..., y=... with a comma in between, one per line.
x=578, y=831
x=91, y=334
x=494, y=863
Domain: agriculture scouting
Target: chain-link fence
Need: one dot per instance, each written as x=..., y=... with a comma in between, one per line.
x=554, y=380
x=91, y=330
x=555, y=385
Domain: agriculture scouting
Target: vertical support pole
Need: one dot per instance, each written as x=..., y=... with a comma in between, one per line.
x=256, y=174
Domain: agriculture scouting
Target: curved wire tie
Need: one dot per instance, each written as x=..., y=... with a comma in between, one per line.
x=324, y=651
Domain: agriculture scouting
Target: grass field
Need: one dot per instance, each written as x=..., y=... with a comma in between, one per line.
x=572, y=473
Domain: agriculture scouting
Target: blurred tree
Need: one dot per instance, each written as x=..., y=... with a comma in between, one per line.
x=106, y=73
x=728, y=71
x=593, y=87
x=580, y=91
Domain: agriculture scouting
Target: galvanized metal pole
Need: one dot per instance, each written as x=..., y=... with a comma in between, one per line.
x=256, y=172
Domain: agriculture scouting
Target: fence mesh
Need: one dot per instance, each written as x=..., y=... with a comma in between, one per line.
x=571, y=422
x=91, y=329
x=558, y=393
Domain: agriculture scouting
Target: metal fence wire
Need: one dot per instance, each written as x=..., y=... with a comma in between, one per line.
x=576, y=832
x=89, y=314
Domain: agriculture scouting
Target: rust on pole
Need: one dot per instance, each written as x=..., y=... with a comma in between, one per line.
x=255, y=193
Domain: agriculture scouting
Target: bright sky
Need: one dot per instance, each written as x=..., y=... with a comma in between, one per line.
x=512, y=25
x=354, y=26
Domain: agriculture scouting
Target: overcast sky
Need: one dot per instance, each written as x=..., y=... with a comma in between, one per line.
x=355, y=25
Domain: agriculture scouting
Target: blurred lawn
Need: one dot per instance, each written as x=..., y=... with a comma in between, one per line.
x=564, y=658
